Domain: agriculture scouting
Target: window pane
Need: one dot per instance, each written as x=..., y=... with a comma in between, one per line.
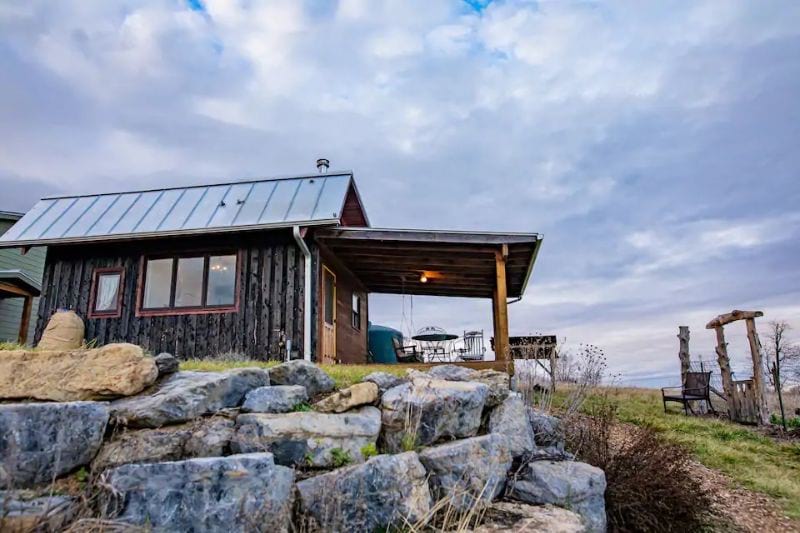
x=356, y=318
x=221, y=280
x=329, y=286
x=107, y=292
x=157, y=283
x=189, y=282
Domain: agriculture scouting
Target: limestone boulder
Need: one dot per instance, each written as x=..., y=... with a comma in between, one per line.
x=384, y=380
x=518, y=517
x=41, y=441
x=547, y=429
x=274, y=399
x=301, y=372
x=238, y=493
x=468, y=471
x=498, y=383
x=450, y=373
x=112, y=371
x=510, y=419
x=386, y=490
x=578, y=487
x=309, y=438
x=64, y=331
x=424, y=411
x=166, y=363
x=184, y=396
x=25, y=512
x=205, y=437
x=346, y=399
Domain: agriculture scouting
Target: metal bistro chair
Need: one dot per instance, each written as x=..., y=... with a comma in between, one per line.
x=406, y=354
x=474, y=349
x=696, y=388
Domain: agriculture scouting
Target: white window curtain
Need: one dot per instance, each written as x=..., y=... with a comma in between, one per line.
x=107, y=290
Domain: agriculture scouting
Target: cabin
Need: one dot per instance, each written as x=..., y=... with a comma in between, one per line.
x=272, y=268
x=20, y=282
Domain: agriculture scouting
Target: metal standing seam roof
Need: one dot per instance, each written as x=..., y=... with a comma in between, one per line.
x=242, y=205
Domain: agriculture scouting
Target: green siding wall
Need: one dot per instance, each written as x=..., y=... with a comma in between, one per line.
x=11, y=308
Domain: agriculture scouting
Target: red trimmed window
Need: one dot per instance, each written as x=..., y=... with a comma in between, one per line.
x=106, y=295
x=196, y=283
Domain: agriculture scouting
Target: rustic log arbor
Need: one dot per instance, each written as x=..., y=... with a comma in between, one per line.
x=745, y=398
x=683, y=354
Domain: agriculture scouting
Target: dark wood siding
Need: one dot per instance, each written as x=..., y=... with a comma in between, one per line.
x=270, y=297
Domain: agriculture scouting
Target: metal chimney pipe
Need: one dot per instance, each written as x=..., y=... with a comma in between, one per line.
x=322, y=165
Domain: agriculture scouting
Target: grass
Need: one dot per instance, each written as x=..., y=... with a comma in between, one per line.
x=756, y=461
x=343, y=375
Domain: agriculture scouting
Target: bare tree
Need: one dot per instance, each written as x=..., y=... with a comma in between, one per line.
x=782, y=355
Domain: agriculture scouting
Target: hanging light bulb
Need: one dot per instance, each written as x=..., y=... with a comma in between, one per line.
x=423, y=278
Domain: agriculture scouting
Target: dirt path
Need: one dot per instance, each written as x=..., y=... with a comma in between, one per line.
x=748, y=511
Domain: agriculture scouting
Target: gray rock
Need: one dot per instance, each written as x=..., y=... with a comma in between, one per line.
x=167, y=364
x=300, y=372
x=274, y=399
x=23, y=512
x=547, y=429
x=452, y=373
x=207, y=437
x=469, y=470
x=511, y=420
x=575, y=486
x=41, y=441
x=184, y=396
x=384, y=380
x=498, y=384
x=308, y=438
x=425, y=411
x=523, y=518
x=385, y=490
x=550, y=453
x=232, y=494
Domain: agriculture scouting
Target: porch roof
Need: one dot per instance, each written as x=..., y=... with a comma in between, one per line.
x=18, y=283
x=455, y=263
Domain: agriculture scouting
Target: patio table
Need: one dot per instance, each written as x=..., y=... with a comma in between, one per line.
x=433, y=342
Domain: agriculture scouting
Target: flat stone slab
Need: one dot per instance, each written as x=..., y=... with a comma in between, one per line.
x=384, y=380
x=274, y=399
x=308, y=438
x=300, y=372
x=349, y=398
x=575, y=486
x=504, y=517
x=468, y=471
x=41, y=441
x=510, y=419
x=21, y=512
x=424, y=411
x=369, y=497
x=184, y=396
x=239, y=493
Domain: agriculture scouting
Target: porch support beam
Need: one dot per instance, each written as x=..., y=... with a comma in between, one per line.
x=25, y=321
x=500, y=301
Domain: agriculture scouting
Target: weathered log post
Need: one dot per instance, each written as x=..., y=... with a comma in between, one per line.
x=683, y=353
x=758, y=370
x=725, y=371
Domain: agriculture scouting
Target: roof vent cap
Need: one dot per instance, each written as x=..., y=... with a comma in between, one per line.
x=322, y=165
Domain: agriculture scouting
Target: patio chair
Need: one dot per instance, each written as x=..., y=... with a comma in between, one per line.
x=474, y=349
x=696, y=388
x=406, y=354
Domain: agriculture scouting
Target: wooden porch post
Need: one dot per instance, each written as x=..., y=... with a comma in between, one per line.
x=501, y=306
x=25, y=320
x=758, y=370
x=725, y=371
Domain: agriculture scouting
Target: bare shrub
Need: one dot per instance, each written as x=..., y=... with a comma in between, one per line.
x=652, y=483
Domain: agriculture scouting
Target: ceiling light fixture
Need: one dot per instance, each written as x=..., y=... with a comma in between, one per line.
x=423, y=278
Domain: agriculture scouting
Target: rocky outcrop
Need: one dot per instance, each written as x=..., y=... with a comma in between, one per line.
x=502, y=517
x=468, y=471
x=449, y=373
x=232, y=494
x=41, y=441
x=274, y=399
x=21, y=512
x=384, y=380
x=184, y=396
x=498, y=384
x=166, y=363
x=547, y=429
x=575, y=486
x=309, y=438
x=349, y=398
x=208, y=437
x=300, y=372
x=64, y=331
x=425, y=411
x=386, y=490
x=103, y=373
x=510, y=419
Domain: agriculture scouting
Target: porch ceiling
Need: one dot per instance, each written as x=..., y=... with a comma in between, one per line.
x=454, y=263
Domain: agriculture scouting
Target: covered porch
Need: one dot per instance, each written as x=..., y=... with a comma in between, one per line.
x=17, y=284
x=494, y=266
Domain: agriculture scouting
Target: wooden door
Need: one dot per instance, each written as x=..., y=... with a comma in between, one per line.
x=328, y=316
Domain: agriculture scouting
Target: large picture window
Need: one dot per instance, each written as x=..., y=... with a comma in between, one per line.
x=106, y=298
x=189, y=283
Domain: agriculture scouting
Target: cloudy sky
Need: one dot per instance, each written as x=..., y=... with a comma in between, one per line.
x=655, y=145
